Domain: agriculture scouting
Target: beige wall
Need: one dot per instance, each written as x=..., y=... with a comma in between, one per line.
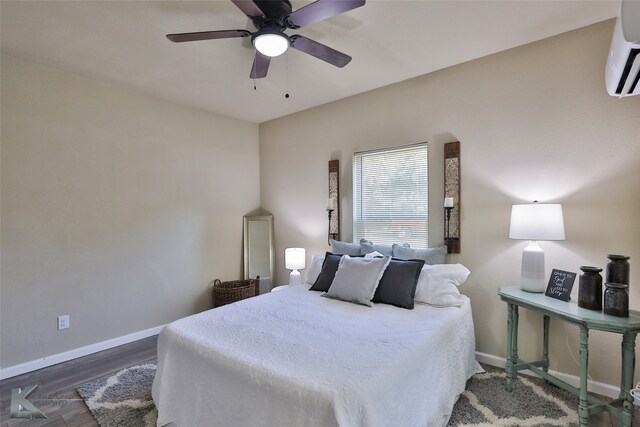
x=534, y=122
x=117, y=209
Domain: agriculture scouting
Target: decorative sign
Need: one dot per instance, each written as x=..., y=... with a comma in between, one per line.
x=560, y=284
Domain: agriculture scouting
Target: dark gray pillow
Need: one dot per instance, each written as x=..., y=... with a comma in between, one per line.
x=430, y=256
x=344, y=248
x=398, y=284
x=328, y=272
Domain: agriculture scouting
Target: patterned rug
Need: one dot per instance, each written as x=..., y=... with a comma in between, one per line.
x=487, y=403
x=124, y=399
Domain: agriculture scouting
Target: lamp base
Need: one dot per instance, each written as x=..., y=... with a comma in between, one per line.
x=295, y=278
x=532, y=275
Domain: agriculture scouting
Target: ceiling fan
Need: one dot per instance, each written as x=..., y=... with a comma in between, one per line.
x=271, y=18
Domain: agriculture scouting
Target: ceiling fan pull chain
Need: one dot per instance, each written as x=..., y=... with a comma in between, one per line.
x=286, y=74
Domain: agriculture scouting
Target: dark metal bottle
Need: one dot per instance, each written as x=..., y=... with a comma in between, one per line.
x=590, y=292
x=617, y=269
x=616, y=299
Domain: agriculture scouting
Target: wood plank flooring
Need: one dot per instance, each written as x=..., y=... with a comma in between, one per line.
x=56, y=395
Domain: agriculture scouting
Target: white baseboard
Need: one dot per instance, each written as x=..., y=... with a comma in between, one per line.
x=593, y=386
x=34, y=365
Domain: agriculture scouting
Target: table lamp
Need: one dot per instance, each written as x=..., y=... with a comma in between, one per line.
x=294, y=260
x=535, y=221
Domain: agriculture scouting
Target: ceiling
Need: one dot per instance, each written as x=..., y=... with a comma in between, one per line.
x=123, y=42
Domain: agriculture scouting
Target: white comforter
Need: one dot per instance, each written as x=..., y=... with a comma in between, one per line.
x=295, y=358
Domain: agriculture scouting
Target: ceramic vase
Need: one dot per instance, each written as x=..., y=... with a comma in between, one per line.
x=590, y=291
x=616, y=299
x=617, y=269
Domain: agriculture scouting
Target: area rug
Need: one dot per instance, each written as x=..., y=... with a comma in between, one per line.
x=124, y=399
x=486, y=403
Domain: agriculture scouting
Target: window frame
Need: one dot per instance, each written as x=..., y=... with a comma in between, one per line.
x=358, y=213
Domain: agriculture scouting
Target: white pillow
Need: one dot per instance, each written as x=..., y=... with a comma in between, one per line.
x=367, y=246
x=314, y=269
x=438, y=284
x=454, y=273
x=357, y=279
x=374, y=254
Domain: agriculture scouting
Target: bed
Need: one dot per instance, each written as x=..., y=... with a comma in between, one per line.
x=296, y=358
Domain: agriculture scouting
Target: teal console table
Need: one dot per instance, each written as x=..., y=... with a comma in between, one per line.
x=628, y=327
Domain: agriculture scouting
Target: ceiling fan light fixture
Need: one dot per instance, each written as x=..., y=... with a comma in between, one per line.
x=272, y=18
x=271, y=43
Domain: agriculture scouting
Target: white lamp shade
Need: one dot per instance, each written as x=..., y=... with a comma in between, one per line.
x=537, y=221
x=294, y=258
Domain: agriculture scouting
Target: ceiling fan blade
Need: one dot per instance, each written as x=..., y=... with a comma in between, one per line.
x=320, y=51
x=321, y=10
x=260, y=66
x=249, y=8
x=207, y=35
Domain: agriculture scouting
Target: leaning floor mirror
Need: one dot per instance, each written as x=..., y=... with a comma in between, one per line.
x=259, y=252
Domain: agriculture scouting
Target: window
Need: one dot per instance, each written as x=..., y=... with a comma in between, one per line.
x=390, y=195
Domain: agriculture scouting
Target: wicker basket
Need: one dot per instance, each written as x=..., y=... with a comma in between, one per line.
x=234, y=290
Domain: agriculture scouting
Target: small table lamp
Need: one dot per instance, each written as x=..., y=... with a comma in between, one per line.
x=535, y=221
x=294, y=260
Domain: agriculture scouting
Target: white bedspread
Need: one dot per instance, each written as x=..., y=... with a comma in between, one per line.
x=295, y=358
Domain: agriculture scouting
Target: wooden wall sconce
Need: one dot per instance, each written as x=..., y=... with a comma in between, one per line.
x=333, y=208
x=452, y=190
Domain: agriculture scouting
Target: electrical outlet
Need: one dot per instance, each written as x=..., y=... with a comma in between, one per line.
x=63, y=322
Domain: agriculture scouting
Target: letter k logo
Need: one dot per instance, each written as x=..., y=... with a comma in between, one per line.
x=21, y=407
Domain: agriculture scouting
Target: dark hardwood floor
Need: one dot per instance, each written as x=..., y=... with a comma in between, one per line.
x=56, y=395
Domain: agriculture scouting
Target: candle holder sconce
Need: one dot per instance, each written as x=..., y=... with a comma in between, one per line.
x=452, y=190
x=331, y=235
x=447, y=236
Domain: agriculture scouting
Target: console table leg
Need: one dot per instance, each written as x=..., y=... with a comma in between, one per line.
x=509, y=345
x=626, y=381
x=545, y=345
x=514, y=345
x=583, y=409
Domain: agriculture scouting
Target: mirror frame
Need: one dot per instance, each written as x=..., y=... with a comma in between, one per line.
x=245, y=233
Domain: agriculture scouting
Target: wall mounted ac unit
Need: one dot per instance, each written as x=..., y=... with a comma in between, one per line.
x=622, y=73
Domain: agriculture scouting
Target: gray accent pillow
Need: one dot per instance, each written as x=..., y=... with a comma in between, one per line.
x=430, y=256
x=344, y=248
x=398, y=284
x=367, y=246
x=357, y=279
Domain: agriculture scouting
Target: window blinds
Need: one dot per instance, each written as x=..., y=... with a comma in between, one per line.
x=390, y=195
